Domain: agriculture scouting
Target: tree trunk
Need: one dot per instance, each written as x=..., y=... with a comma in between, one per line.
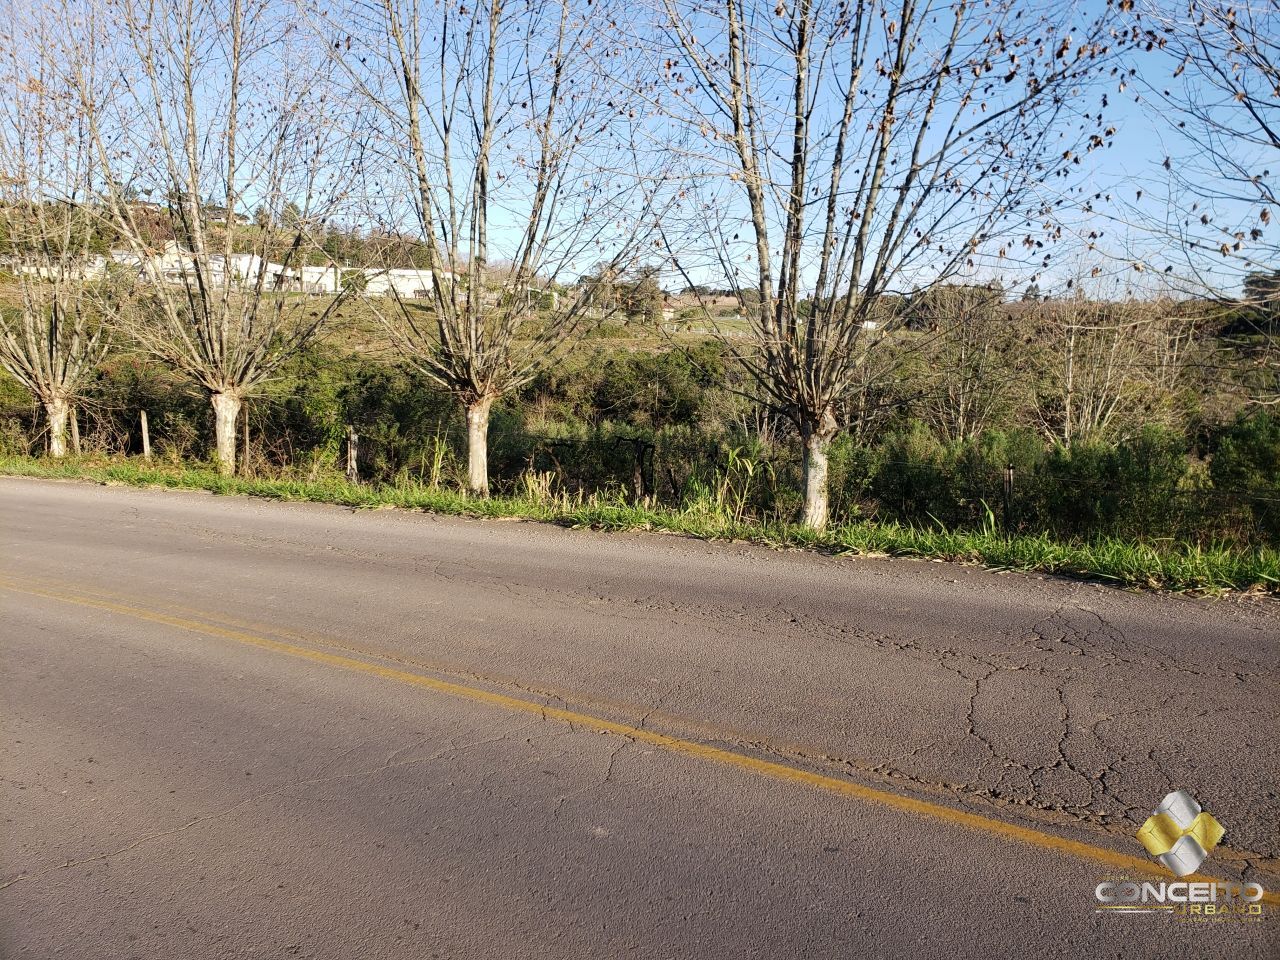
x=478, y=446
x=816, y=502
x=56, y=410
x=226, y=407
x=244, y=447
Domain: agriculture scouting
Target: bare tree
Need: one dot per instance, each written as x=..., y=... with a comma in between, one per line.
x=226, y=111
x=969, y=357
x=52, y=333
x=1103, y=368
x=514, y=149
x=1223, y=98
x=872, y=146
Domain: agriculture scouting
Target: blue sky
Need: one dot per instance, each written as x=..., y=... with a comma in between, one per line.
x=1125, y=205
x=1138, y=195
x=1148, y=198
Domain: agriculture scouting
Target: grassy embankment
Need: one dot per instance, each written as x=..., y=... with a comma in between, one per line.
x=1176, y=567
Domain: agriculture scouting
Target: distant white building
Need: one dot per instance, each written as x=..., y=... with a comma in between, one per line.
x=171, y=265
x=90, y=268
x=245, y=268
x=327, y=279
x=176, y=265
x=406, y=284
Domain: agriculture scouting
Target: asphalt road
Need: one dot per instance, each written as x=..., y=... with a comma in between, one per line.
x=236, y=728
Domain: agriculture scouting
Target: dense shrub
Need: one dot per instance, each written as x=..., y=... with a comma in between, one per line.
x=674, y=427
x=178, y=418
x=911, y=474
x=1133, y=488
x=978, y=479
x=1247, y=459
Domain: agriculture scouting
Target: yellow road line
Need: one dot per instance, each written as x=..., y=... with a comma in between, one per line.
x=579, y=699
x=676, y=745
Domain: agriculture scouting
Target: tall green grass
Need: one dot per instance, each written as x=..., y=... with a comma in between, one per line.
x=718, y=514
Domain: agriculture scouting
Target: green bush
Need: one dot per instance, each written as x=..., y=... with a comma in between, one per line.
x=1245, y=470
x=978, y=476
x=911, y=479
x=852, y=469
x=683, y=418
x=1146, y=499
x=179, y=418
x=1131, y=489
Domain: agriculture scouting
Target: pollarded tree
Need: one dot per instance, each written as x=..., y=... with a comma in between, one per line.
x=227, y=111
x=868, y=147
x=511, y=151
x=52, y=329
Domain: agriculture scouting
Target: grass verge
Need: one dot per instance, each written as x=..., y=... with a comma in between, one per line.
x=1176, y=567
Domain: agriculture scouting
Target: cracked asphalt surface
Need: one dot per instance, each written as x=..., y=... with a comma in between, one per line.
x=169, y=792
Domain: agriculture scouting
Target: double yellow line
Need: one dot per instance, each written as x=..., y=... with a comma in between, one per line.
x=677, y=745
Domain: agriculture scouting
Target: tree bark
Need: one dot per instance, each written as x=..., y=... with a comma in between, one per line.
x=244, y=447
x=478, y=446
x=56, y=409
x=816, y=501
x=226, y=408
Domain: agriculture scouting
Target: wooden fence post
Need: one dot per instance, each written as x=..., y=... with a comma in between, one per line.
x=1008, y=500
x=146, y=436
x=353, y=450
